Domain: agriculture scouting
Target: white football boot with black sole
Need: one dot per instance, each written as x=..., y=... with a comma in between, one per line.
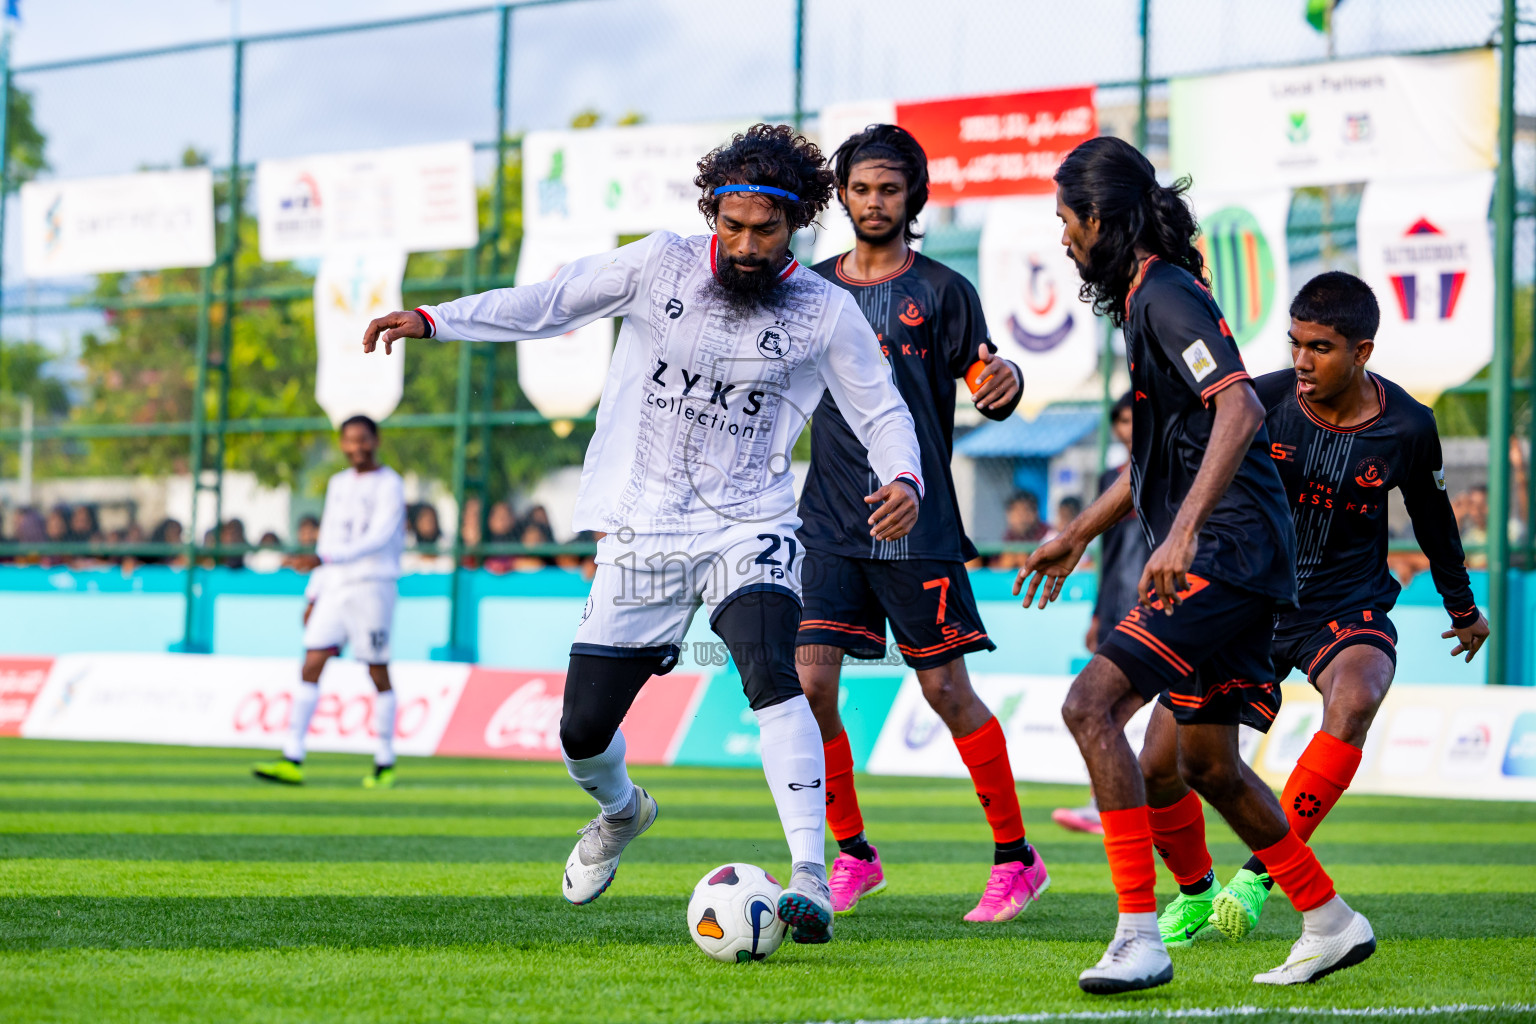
x=1134, y=960
x=1316, y=955
x=590, y=868
x=806, y=905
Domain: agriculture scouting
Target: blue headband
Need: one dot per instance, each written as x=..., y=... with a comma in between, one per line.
x=764, y=189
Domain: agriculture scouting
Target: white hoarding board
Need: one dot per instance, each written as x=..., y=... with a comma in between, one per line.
x=1029, y=292
x=1425, y=250
x=351, y=288
x=563, y=377
x=148, y=221
x=1342, y=121
x=412, y=199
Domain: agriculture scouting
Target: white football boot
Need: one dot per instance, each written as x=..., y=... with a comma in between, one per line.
x=1318, y=954
x=590, y=868
x=1133, y=961
x=806, y=904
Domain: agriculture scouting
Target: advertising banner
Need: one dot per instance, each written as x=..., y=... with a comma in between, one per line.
x=1006, y=145
x=563, y=377
x=516, y=715
x=1337, y=122
x=1243, y=241
x=1425, y=249
x=618, y=181
x=148, y=221
x=411, y=199
x=351, y=288
x=21, y=680
x=1029, y=292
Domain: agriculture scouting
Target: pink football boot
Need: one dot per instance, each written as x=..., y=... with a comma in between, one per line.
x=1079, y=819
x=1012, y=887
x=853, y=879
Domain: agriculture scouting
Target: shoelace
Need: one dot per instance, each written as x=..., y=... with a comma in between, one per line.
x=844, y=880
x=998, y=885
x=1118, y=952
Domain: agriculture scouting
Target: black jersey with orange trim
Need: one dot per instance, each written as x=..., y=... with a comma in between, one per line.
x=930, y=325
x=1336, y=482
x=1181, y=354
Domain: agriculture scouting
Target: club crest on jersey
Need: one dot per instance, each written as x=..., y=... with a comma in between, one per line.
x=1371, y=472
x=911, y=315
x=1199, y=360
x=773, y=342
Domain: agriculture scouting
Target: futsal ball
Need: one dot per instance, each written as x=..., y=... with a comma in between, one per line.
x=733, y=915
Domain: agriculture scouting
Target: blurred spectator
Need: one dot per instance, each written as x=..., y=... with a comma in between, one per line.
x=1024, y=526
x=1405, y=565
x=1067, y=509
x=469, y=529
x=1123, y=546
x=1471, y=508
x=533, y=533
x=83, y=525
x=307, y=535
x=538, y=515
x=168, y=532
x=500, y=528
x=132, y=535
x=268, y=558
x=29, y=530
x=232, y=535
x=56, y=531
x=210, y=540
x=427, y=554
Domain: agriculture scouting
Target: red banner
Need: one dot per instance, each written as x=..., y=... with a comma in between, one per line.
x=517, y=715
x=20, y=681
x=982, y=146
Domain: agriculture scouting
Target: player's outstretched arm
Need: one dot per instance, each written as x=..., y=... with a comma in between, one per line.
x=1053, y=561
x=392, y=327
x=1239, y=415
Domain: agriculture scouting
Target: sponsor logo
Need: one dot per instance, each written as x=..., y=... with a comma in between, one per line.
x=1358, y=128
x=529, y=717
x=1297, y=129
x=1439, y=476
x=1520, y=755
x=1199, y=360
x=773, y=342
x=299, y=210
x=1242, y=266
x=911, y=315
x=1282, y=452
x=1371, y=472
x=674, y=308
x=798, y=786
x=1430, y=272
x=1410, y=741
x=1044, y=321
x=1470, y=750
x=21, y=679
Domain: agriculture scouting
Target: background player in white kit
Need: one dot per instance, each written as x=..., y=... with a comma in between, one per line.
x=727, y=344
x=351, y=596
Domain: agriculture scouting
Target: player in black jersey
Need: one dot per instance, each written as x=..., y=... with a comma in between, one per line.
x=930, y=325
x=1342, y=438
x=1211, y=502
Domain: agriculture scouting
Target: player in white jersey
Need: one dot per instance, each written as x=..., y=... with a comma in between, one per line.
x=727, y=345
x=351, y=597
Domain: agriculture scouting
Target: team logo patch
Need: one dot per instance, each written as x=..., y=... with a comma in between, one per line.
x=912, y=315
x=1439, y=476
x=1199, y=360
x=773, y=343
x=1371, y=472
x=674, y=308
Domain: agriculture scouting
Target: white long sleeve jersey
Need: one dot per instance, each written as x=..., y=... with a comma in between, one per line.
x=702, y=405
x=362, y=529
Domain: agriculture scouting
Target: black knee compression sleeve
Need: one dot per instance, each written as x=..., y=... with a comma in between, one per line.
x=598, y=693
x=760, y=627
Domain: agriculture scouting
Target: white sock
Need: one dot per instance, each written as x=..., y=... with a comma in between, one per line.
x=1143, y=924
x=384, y=724
x=1331, y=917
x=795, y=763
x=604, y=776
x=298, y=720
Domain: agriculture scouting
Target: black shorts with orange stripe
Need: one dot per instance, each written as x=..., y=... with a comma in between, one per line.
x=1208, y=662
x=928, y=603
x=1312, y=646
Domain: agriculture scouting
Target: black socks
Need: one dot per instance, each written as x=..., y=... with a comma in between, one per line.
x=858, y=847
x=1199, y=887
x=1010, y=852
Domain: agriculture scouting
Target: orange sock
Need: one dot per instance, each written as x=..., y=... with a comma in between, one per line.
x=1128, y=843
x=1178, y=835
x=843, y=815
x=1294, y=867
x=1322, y=774
x=985, y=753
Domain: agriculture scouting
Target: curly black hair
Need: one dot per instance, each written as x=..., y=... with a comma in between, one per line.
x=893, y=145
x=769, y=154
x=1108, y=178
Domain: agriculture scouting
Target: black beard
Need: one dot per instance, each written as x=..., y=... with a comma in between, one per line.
x=745, y=292
x=888, y=236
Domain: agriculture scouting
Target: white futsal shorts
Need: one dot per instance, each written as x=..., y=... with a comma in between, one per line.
x=356, y=615
x=648, y=586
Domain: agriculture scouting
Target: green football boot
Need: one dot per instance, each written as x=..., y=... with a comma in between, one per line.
x=1186, y=917
x=383, y=778
x=1236, y=909
x=281, y=770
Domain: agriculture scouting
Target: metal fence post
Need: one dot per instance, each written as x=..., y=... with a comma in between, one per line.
x=1502, y=369
x=1144, y=84
x=189, y=640
x=799, y=63
x=231, y=307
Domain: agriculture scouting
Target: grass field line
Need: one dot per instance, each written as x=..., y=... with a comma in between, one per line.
x=1214, y=1012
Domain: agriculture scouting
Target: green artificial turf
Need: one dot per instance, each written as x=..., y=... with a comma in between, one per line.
x=144, y=883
